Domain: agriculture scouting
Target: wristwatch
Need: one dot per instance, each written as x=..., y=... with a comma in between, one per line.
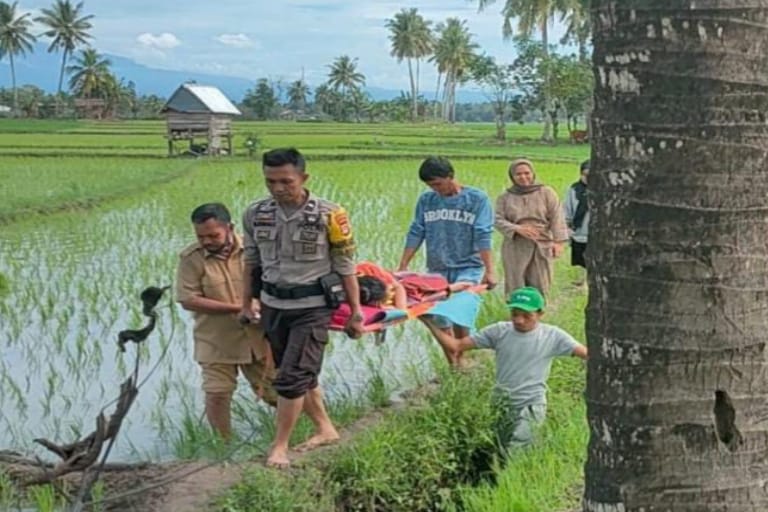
x=357, y=317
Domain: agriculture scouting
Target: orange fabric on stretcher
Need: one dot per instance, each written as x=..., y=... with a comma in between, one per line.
x=366, y=268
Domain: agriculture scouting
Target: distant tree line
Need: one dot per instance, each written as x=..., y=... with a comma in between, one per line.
x=540, y=83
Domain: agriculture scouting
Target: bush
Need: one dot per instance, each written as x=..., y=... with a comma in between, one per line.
x=415, y=459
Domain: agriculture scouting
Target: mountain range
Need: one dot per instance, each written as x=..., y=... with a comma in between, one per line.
x=42, y=69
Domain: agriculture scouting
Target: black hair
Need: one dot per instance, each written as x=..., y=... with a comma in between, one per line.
x=284, y=156
x=216, y=211
x=372, y=290
x=584, y=166
x=435, y=167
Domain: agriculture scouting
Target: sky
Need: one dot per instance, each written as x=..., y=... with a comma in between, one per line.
x=276, y=39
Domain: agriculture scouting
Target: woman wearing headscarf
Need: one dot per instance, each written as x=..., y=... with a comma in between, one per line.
x=531, y=219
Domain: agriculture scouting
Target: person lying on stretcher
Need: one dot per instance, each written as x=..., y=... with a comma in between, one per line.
x=381, y=288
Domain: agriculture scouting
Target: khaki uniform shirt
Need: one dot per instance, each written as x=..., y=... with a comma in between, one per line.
x=299, y=248
x=219, y=338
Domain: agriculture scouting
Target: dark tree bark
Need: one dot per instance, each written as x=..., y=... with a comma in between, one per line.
x=677, y=321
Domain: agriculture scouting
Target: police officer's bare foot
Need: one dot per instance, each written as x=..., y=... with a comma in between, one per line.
x=278, y=459
x=317, y=441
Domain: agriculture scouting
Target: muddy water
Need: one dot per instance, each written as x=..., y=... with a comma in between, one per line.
x=74, y=284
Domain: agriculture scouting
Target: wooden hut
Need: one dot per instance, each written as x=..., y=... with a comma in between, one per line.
x=199, y=113
x=92, y=108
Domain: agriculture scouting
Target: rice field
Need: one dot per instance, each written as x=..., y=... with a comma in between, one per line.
x=91, y=213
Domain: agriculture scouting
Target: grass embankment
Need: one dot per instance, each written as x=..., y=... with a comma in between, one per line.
x=439, y=453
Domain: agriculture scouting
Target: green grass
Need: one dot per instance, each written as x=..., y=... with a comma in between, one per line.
x=72, y=275
x=439, y=454
x=40, y=185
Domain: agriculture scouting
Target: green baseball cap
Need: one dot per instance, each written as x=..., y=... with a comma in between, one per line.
x=527, y=299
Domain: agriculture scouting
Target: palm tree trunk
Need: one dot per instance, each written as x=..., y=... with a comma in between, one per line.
x=15, y=112
x=61, y=81
x=413, y=90
x=437, y=92
x=676, y=321
x=447, y=95
x=546, y=136
x=417, y=86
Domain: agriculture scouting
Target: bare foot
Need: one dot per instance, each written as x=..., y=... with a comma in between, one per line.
x=318, y=440
x=278, y=459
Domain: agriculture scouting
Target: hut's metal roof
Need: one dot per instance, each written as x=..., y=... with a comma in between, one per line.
x=195, y=98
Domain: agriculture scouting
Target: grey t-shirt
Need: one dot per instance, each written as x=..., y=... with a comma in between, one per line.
x=524, y=359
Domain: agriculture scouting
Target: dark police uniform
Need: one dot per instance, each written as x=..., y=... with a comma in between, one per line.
x=294, y=251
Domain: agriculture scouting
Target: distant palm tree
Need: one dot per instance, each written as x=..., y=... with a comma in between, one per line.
x=297, y=94
x=359, y=102
x=578, y=27
x=15, y=39
x=344, y=75
x=412, y=40
x=68, y=29
x=90, y=75
x=535, y=15
x=454, y=54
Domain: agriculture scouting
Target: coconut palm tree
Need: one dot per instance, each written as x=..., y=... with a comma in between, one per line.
x=411, y=40
x=90, y=74
x=533, y=15
x=578, y=27
x=678, y=288
x=297, y=95
x=454, y=53
x=68, y=29
x=344, y=76
x=15, y=39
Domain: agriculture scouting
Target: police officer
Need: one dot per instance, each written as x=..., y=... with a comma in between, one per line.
x=208, y=283
x=295, y=245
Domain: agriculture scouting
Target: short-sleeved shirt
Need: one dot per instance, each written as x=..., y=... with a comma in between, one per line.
x=524, y=359
x=219, y=338
x=298, y=247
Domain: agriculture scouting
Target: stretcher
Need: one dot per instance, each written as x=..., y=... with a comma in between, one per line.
x=377, y=319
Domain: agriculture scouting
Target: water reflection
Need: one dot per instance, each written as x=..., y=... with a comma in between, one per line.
x=74, y=283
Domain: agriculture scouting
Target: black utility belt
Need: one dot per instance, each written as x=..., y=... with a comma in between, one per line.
x=293, y=292
x=330, y=286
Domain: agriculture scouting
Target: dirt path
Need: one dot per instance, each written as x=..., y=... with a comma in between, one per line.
x=191, y=486
x=194, y=493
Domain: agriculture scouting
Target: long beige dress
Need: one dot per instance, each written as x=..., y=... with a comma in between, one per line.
x=527, y=262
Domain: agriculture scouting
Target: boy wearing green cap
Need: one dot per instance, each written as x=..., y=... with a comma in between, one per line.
x=524, y=350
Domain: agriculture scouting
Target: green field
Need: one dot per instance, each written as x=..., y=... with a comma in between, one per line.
x=91, y=213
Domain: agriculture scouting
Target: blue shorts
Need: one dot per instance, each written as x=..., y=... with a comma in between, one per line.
x=457, y=275
x=464, y=274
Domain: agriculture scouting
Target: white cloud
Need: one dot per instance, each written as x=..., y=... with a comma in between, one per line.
x=236, y=40
x=164, y=41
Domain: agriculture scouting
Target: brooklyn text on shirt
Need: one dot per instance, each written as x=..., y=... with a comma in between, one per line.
x=452, y=215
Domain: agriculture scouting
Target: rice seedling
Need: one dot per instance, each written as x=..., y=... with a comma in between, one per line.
x=68, y=280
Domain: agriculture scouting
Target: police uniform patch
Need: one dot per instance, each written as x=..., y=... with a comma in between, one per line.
x=265, y=218
x=308, y=248
x=340, y=229
x=308, y=236
x=262, y=234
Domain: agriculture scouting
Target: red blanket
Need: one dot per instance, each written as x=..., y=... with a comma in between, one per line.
x=371, y=315
x=419, y=285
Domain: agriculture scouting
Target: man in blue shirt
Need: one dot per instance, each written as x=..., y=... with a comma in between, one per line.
x=455, y=223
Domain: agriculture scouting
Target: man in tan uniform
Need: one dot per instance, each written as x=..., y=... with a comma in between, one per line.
x=299, y=250
x=208, y=283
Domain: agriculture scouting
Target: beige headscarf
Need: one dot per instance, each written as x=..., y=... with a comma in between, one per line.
x=520, y=189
